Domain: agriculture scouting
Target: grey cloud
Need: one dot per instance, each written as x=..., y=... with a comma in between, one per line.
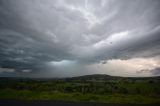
x=156, y=71
x=35, y=32
x=6, y=70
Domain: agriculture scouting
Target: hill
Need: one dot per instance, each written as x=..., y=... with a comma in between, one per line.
x=104, y=77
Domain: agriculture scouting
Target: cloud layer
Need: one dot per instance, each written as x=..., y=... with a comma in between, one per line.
x=68, y=38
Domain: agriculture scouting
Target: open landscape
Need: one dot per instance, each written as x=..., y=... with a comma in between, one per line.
x=79, y=52
x=89, y=88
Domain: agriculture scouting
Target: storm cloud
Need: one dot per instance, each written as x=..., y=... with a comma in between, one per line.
x=59, y=38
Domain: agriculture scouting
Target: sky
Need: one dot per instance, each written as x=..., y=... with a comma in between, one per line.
x=65, y=38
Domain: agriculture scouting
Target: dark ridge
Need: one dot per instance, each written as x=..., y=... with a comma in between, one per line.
x=108, y=77
x=93, y=77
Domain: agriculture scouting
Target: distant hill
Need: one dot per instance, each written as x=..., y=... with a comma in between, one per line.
x=93, y=77
x=104, y=77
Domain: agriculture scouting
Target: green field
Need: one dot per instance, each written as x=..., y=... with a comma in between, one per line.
x=119, y=90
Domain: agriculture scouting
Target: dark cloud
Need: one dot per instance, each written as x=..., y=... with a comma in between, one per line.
x=156, y=71
x=34, y=33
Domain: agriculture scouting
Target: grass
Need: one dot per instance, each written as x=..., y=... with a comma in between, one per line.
x=121, y=91
x=78, y=97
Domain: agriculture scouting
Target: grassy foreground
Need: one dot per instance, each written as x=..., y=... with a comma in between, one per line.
x=92, y=88
x=78, y=97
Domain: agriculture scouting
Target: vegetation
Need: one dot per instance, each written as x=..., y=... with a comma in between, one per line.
x=96, y=88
